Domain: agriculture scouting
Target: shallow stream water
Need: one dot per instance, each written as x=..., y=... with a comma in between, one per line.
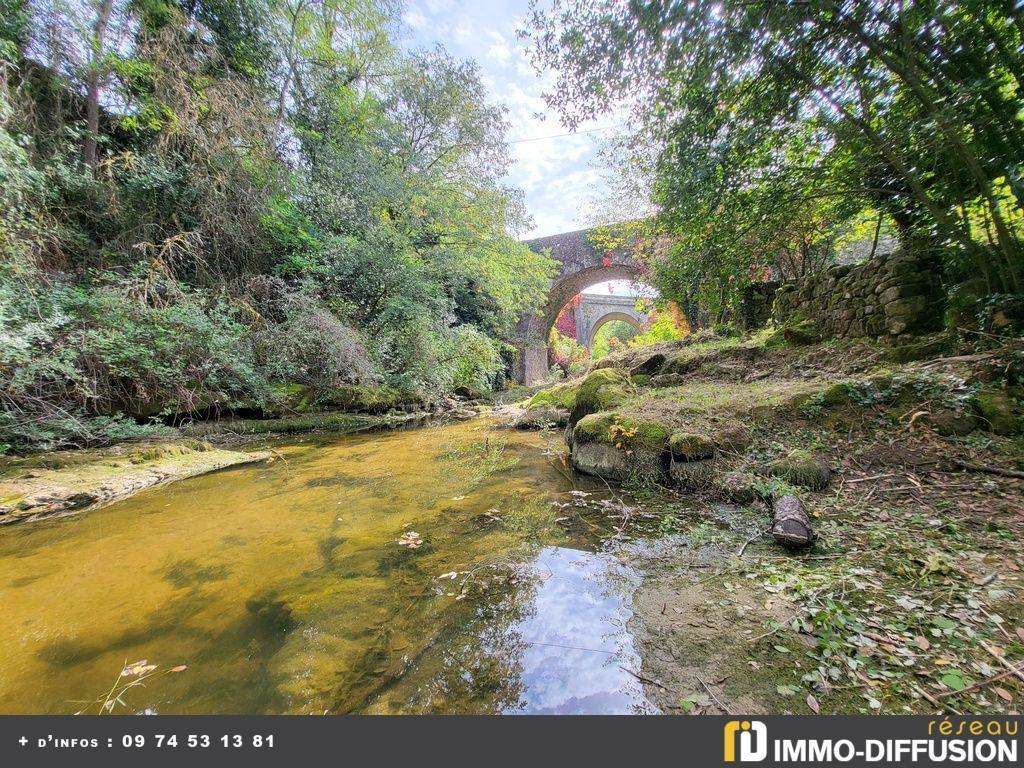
x=422, y=570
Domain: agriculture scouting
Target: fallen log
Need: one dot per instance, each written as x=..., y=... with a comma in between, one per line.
x=791, y=526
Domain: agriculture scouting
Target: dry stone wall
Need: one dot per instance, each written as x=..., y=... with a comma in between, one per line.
x=888, y=296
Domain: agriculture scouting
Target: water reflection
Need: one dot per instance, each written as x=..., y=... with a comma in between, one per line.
x=576, y=646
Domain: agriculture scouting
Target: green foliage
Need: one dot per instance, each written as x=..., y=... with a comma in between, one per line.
x=568, y=354
x=611, y=336
x=770, y=135
x=281, y=199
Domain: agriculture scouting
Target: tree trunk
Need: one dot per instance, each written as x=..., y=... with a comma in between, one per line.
x=791, y=526
x=94, y=80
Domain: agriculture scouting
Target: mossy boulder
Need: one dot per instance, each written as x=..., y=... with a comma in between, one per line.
x=998, y=411
x=950, y=421
x=688, y=446
x=602, y=390
x=840, y=394
x=541, y=417
x=561, y=396
x=618, y=447
x=621, y=431
x=801, y=469
x=356, y=398
x=801, y=333
x=922, y=349
x=360, y=398
x=732, y=438
x=737, y=487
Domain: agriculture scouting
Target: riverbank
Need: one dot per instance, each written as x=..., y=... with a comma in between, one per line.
x=61, y=483
x=910, y=599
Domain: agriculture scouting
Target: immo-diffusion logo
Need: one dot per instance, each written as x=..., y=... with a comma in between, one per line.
x=752, y=736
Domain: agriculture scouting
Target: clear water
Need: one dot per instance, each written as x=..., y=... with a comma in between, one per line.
x=285, y=588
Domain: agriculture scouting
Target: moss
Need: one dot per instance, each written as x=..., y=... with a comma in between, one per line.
x=158, y=452
x=641, y=379
x=999, y=411
x=559, y=396
x=686, y=446
x=732, y=437
x=621, y=431
x=842, y=393
x=602, y=390
x=737, y=487
x=802, y=333
x=293, y=398
x=922, y=349
x=361, y=398
x=801, y=469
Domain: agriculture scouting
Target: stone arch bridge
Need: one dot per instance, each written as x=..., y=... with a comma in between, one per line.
x=581, y=264
x=594, y=310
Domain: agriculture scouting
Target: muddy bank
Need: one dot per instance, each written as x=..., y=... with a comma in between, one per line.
x=69, y=482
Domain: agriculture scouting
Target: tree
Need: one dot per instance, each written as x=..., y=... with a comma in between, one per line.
x=911, y=108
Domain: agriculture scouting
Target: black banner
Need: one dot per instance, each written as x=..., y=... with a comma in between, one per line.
x=526, y=742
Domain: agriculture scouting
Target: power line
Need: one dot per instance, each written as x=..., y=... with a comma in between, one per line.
x=569, y=133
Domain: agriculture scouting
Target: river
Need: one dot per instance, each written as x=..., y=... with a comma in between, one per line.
x=445, y=569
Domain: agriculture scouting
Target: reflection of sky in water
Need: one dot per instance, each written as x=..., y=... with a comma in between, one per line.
x=578, y=605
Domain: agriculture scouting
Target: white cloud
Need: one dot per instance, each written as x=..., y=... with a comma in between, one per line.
x=414, y=19
x=463, y=29
x=558, y=175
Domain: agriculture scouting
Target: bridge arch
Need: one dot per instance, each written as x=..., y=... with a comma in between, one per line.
x=609, y=317
x=581, y=265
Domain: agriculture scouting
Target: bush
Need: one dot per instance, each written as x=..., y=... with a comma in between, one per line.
x=475, y=361
x=312, y=347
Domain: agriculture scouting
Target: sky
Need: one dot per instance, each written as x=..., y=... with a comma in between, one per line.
x=558, y=173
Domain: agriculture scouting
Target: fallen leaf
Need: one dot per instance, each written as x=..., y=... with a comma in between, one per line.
x=813, y=704
x=954, y=680
x=1004, y=694
x=179, y=668
x=1020, y=633
x=922, y=643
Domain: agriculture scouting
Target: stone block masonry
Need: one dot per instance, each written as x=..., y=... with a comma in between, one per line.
x=889, y=296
